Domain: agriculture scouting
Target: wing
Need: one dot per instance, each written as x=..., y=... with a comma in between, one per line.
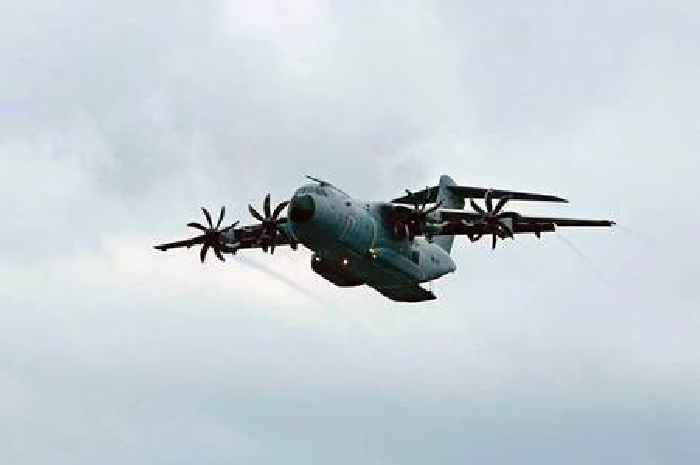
x=471, y=217
x=271, y=232
x=430, y=195
x=176, y=245
x=257, y=237
x=234, y=239
x=566, y=222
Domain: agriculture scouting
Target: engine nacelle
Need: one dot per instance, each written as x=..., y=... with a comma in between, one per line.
x=335, y=272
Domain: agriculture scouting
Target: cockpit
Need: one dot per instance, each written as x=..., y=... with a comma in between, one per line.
x=308, y=200
x=313, y=189
x=322, y=188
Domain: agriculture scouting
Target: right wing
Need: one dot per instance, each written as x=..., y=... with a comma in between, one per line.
x=565, y=222
x=234, y=239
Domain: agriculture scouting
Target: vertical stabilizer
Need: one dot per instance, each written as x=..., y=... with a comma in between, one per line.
x=449, y=200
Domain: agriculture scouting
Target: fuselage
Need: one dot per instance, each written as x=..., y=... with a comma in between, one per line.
x=354, y=241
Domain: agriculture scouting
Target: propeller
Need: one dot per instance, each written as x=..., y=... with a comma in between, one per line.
x=413, y=222
x=500, y=224
x=211, y=239
x=270, y=223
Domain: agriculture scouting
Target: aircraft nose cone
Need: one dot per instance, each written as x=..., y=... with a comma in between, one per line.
x=302, y=208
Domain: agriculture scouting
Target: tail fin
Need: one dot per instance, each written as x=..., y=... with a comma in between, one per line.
x=449, y=200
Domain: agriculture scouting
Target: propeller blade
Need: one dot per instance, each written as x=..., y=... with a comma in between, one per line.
x=197, y=226
x=203, y=252
x=493, y=243
x=476, y=207
x=266, y=206
x=255, y=213
x=417, y=202
x=435, y=208
x=501, y=203
x=413, y=198
x=279, y=209
x=208, y=217
x=273, y=242
x=489, y=201
x=426, y=198
x=218, y=254
x=221, y=217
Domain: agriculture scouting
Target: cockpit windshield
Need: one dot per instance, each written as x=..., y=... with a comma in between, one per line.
x=321, y=187
x=312, y=189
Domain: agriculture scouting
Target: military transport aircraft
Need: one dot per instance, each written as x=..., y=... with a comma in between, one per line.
x=393, y=247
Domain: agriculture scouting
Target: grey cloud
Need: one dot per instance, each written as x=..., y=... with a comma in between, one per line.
x=117, y=121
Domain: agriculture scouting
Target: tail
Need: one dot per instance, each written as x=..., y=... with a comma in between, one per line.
x=449, y=200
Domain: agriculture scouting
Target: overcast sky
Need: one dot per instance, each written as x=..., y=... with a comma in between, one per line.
x=119, y=120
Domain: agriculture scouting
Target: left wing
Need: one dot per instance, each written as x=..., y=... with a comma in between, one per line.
x=523, y=220
x=502, y=225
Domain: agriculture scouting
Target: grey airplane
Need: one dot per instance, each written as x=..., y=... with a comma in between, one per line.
x=394, y=247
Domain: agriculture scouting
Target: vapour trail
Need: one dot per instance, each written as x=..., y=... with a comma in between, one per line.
x=280, y=277
x=596, y=271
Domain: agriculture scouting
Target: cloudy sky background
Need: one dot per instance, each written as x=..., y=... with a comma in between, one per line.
x=117, y=121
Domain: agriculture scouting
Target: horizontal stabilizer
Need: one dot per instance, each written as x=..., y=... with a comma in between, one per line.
x=480, y=193
x=430, y=195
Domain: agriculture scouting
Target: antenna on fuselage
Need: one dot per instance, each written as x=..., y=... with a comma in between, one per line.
x=320, y=181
